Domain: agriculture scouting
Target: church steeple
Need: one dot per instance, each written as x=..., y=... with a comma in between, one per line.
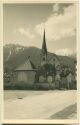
x=44, y=47
x=44, y=50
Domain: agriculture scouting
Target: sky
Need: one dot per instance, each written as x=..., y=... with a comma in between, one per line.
x=24, y=24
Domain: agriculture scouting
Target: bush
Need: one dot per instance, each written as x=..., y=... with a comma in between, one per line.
x=18, y=86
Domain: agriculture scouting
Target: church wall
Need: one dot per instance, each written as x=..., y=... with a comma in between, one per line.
x=54, y=61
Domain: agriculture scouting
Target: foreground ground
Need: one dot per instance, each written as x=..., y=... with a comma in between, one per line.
x=40, y=104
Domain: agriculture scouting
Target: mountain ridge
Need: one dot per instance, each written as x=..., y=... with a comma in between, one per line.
x=15, y=54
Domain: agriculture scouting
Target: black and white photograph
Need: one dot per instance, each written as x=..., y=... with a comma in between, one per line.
x=40, y=61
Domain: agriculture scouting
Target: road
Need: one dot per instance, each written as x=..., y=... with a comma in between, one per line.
x=40, y=104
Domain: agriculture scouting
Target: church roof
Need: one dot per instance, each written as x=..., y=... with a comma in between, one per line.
x=26, y=66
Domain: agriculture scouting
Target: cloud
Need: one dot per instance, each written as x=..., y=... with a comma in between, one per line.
x=25, y=32
x=65, y=52
x=56, y=8
x=61, y=25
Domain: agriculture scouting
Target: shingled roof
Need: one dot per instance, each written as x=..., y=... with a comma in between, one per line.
x=26, y=66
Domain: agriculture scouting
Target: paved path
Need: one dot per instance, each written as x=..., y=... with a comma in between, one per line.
x=42, y=105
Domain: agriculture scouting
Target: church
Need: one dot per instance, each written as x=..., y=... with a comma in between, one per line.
x=27, y=74
x=50, y=66
x=48, y=75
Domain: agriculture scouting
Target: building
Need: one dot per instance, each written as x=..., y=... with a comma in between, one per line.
x=24, y=74
x=44, y=60
x=48, y=68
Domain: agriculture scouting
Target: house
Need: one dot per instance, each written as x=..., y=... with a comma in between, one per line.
x=24, y=74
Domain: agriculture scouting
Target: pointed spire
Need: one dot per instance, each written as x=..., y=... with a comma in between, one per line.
x=44, y=47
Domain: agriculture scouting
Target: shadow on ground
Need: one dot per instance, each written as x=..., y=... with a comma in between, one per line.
x=68, y=112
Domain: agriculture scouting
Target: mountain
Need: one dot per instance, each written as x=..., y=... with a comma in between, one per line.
x=17, y=54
